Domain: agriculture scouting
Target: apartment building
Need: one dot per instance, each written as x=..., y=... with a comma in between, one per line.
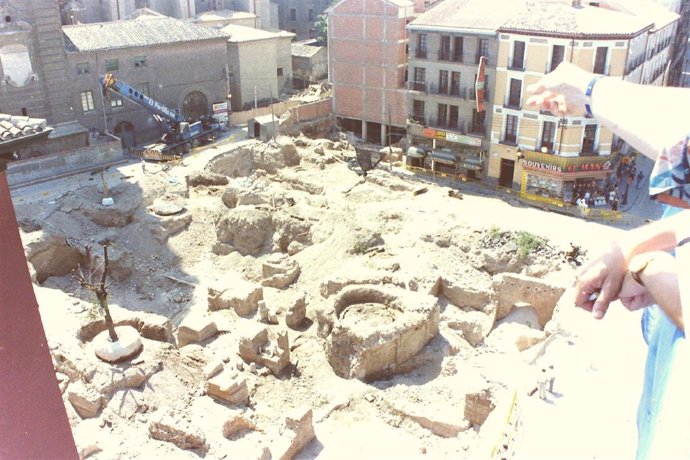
x=299, y=16
x=547, y=157
x=178, y=63
x=447, y=127
x=367, y=59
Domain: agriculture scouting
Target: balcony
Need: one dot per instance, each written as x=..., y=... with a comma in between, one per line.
x=420, y=53
x=444, y=55
x=420, y=86
x=516, y=64
x=477, y=129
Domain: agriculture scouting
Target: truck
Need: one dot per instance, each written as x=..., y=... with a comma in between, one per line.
x=180, y=135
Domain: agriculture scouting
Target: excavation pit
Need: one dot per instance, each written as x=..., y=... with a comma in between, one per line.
x=375, y=330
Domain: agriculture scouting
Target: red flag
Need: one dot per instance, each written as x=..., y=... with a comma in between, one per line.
x=479, y=84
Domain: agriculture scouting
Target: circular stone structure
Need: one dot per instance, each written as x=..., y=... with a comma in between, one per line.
x=375, y=329
x=127, y=346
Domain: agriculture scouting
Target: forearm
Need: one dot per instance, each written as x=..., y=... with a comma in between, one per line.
x=662, y=235
x=660, y=277
x=640, y=114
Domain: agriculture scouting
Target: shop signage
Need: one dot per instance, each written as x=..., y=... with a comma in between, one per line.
x=541, y=165
x=452, y=137
x=220, y=111
x=592, y=166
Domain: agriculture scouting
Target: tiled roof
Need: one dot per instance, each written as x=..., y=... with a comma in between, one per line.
x=143, y=31
x=479, y=15
x=555, y=18
x=14, y=127
x=299, y=49
x=236, y=33
x=533, y=16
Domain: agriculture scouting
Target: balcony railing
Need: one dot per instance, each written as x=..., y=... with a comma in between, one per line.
x=444, y=55
x=420, y=54
x=417, y=86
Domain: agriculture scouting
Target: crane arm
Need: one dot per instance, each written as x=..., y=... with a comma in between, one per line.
x=109, y=82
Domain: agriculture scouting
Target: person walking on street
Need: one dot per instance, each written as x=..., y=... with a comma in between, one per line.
x=640, y=176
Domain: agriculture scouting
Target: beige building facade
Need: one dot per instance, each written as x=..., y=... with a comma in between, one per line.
x=546, y=157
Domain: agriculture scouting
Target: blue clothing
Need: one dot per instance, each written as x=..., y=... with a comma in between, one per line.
x=663, y=415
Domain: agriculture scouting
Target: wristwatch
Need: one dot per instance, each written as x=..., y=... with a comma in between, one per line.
x=637, y=266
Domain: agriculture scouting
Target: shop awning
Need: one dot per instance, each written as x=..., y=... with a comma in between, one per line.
x=443, y=157
x=472, y=163
x=416, y=152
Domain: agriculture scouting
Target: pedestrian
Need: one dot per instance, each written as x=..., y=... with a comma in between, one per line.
x=656, y=129
x=612, y=195
x=614, y=204
x=640, y=176
x=143, y=166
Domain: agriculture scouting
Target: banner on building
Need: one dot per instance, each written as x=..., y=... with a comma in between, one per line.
x=220, y=112
x=479, y=84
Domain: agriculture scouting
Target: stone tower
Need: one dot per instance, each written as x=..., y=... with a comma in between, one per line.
x=33, y=56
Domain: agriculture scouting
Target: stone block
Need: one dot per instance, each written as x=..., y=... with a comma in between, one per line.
x=243, y=297
x=195, y=329
x=511, y=288
x=478, y=406
x=298, y=434
x=178, y=432
x=279, y=271
x=228, y=386
x=269, y=350
x=236, y=425
x=85, y=399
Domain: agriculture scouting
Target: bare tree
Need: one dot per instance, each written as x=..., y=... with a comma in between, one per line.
x=85, y=277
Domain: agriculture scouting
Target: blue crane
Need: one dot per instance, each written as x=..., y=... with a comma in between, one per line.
x=179, y=135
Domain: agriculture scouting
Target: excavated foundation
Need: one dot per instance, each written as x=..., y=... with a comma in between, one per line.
x=376, y=329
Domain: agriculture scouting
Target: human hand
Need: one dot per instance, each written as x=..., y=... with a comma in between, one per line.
x=633, y=295
x=562, y=92
x=603, y=275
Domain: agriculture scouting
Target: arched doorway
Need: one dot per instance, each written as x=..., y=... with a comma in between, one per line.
x=125, y=131
x=195, y=105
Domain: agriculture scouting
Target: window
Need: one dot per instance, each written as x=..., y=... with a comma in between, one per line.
x=280, y=71
x=143, y=88
x=557, y=55
x=518, y=55
x=293, y=14
x=453, y=116
x=441, y=118
x=87, y=101
x=478, y=121
x=455, y=84
x=444, y=50
x=310, y=15
x=111, y=65
x=140, y=61
x=115, y=100
x=421, y=46
x=600, y=60
x=442, y=82
x=83, y=68
x=418, y=111
x=419, y=83
x=548, y=133
x=510, y=135
x=588, y=139
x=457, y=49
x=482, y=49
x=515, y=93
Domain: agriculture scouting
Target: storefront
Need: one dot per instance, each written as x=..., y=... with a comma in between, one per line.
x=447, y=151
x=415, y=157
x=560, y=180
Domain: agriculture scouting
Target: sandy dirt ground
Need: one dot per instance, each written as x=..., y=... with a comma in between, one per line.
x=391, y=229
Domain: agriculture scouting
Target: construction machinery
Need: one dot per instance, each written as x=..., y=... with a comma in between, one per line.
x=180, y=135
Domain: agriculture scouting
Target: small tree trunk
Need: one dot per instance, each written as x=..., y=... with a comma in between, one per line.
x=102, y=295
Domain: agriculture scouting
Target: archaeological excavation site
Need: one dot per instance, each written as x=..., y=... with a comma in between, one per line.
x=281, y=304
